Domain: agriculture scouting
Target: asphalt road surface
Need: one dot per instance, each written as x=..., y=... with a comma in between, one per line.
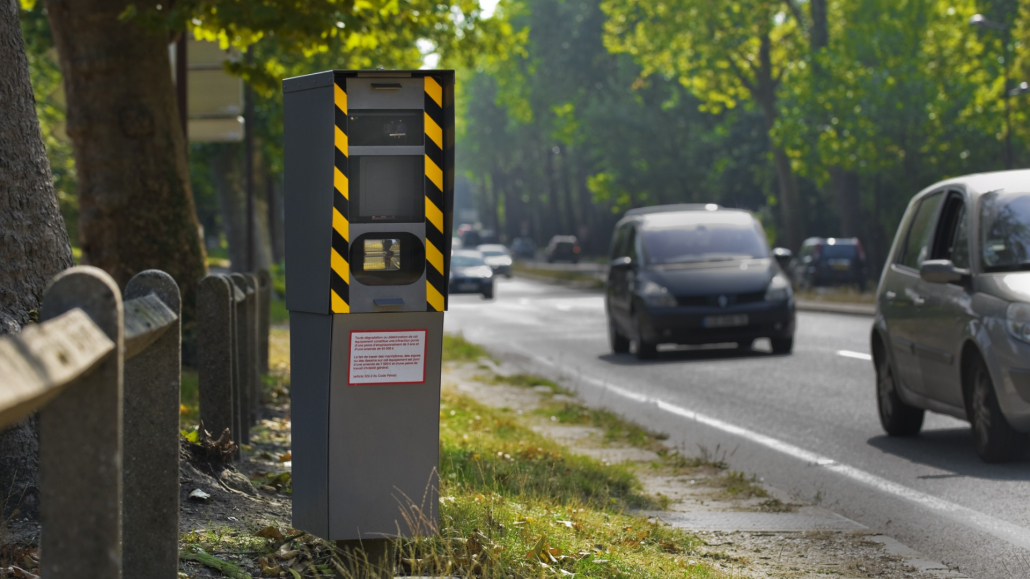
x=805, y=423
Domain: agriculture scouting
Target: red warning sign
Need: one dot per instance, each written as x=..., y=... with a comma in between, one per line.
x=387, y=357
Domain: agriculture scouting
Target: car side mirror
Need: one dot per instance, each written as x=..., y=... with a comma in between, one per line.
x=624, y=262
x=940, y=271
x=783, y=257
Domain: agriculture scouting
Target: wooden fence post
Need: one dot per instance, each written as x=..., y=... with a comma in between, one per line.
x=150, y=511
x=243, y=356
x=215, y=303
x=254, y=328
x=81, y=443
x=264, y=313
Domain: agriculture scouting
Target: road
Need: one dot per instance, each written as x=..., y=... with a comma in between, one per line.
x=806, y=423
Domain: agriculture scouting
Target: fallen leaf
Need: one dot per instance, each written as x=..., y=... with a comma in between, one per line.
x=286, y=456
x=270, y=532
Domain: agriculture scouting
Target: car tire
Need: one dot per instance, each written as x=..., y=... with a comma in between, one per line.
x=489, y=293
x=645, y=350
x=619, y=343
x=995, y=439
x=782, y=345
x=896, y=417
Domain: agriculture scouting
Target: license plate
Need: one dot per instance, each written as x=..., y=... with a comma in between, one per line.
x=841, y=264
x=724, y=321
x=466, y=287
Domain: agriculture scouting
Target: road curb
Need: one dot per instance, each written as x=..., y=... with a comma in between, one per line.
x=836, y=308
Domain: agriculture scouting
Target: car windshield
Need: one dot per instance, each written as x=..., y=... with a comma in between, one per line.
x=703, y=242
x=838, y=250
x=466, y=261
x=1005, y=230
x=493, y=252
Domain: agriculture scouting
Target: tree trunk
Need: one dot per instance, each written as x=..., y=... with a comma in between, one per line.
x=227, y=174
x=790, y=208
x=136, y=206
x=844, y=182
x=33, y=242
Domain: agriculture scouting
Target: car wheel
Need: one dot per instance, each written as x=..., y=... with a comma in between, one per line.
x=782, y=345
x=619, y=343
x=645, y=350
x=488, y=294
x=896, y=417
x=995, y=440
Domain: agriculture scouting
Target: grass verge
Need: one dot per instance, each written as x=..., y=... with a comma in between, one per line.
x=578, y=278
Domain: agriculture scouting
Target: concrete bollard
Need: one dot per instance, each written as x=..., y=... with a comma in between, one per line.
x=264, y=314
x=243, y=357
x=150, y=500
x=81, y=443
x=254, y=327
x=215, y=304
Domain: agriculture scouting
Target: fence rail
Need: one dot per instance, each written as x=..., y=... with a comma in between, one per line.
x=103, y=369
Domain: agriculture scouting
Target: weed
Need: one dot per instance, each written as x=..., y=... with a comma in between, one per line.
x=457, y=349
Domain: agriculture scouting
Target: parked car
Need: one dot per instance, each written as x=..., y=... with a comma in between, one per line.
x=523, y=247
x=470, y=274
x=830, y=261
x=563, y=248
x=695, y=275
x=952, y=326
x=497, y=257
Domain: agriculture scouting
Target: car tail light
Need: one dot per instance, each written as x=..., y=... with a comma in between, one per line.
x=815, y=252
x=575, y=249
x=861, y=252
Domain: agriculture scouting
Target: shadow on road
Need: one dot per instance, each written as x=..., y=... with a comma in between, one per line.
x=680, y=355
x=950, y=450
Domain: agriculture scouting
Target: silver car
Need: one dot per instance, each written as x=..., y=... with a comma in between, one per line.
x=952, y=329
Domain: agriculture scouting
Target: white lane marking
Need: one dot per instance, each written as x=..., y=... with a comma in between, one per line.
x=1004, y=530
x=855, y=355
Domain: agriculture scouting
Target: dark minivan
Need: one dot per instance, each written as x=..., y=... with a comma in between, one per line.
x=695, y=274
x=830, y=261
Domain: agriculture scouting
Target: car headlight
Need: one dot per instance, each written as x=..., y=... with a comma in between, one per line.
x=657, y=295
x=1017, y=321
x=779, y=289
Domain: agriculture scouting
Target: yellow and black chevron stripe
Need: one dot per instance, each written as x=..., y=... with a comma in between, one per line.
x=339, y=278
x=436, y=281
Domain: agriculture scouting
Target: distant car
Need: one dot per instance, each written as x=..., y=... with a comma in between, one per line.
x=952, y=326
x=695, y=275
x=497, y=257
x=523, y=247
x=830, y=261
x=470, y=274
x=456, y=242
x=563, y=248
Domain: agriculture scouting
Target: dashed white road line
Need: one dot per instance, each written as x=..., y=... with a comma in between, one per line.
x=855, y=355
x=1004, y=530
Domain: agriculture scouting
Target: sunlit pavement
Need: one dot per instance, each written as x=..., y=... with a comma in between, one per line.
x=806, y=423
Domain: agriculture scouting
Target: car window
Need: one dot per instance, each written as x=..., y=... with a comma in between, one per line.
x=919, y=233
x=631, y=243
x=699, y=242
x=466, y=261
x=618, y=242
x=1005, y=227
x=952, y=239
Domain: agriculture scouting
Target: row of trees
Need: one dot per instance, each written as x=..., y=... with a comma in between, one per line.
x=822, y=116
